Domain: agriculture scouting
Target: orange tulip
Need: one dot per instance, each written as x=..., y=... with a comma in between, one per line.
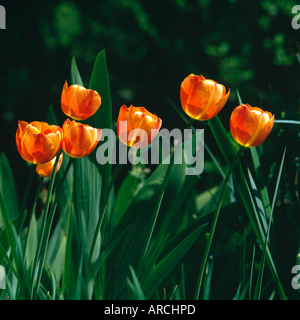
x=202, y=99
x=78, y=102
x=46, y=169
x=79, y=140
x=250, y=126
x=38, y=142
x=135, y=119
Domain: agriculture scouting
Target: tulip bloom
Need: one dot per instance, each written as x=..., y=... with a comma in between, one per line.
x=38, y=142
x=46, y=169
x=250, y=126
x=79, y=140
x=202, y=99
x=137, y=122
x=78, y=102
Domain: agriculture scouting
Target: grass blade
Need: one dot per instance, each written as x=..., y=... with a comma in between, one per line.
x=135, y=286
x=228, y=150
x=169, y=262
x=213, y=225
x=262, y=263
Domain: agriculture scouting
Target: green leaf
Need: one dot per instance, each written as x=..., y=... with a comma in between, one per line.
x=87, y=190
x=31, y=242
x=262, y=264
x=15, y=245
x=75, y=74
x=259, y=176
x=134, y=286
x=289, y=122
x=206, y=201
x=58, y=262
x=53, y=282
x=68, y=265
x=126, y=192
x=259, y=203
x=226, y=144
x=8, y=189
x=102, y=119
x=262, y=187
x=139, y=220
x=229, y=150
x=99, y=81
x=169, y=262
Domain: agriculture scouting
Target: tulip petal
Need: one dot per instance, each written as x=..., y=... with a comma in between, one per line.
x=37, y=142
x=79, y=140
x=266, y=128
x=250, y=126
x=78, y=102
x=135, y=125
x=46, y=169
x=201, y=98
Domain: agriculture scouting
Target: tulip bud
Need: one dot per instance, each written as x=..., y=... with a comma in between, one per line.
x=38, y=142
x=202, y=99
x=137, y=127
x=79, y=140
x=250, y=126
x=46, y=169
x=78, y=102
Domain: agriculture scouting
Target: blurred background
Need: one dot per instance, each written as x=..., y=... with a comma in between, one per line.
x=151, y=46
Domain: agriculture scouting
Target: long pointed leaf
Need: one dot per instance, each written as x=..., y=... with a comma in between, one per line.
x=228, y=150
x=169, y=262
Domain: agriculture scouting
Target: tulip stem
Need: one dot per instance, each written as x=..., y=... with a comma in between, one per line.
x=71, y=160
x=66, y=170
x=41, y=240
x=50, y=216
x=23, y=212
x=214, y=223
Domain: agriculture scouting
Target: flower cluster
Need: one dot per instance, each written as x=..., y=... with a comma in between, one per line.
x=40, y=143
x=201, y=99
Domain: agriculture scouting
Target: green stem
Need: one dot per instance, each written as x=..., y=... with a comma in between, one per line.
x=213, y=225
x=23, y=213
x=263, y=258
x=44, y=220
x=71, y=160
x=44, y=246
x=49, y=224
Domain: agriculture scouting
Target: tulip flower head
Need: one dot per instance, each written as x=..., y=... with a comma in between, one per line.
x=137, y=127
x=79, y=140
x=38, y=142
x=250, y=126
x=78, y=102
x=202, y=99
x=46, y=169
